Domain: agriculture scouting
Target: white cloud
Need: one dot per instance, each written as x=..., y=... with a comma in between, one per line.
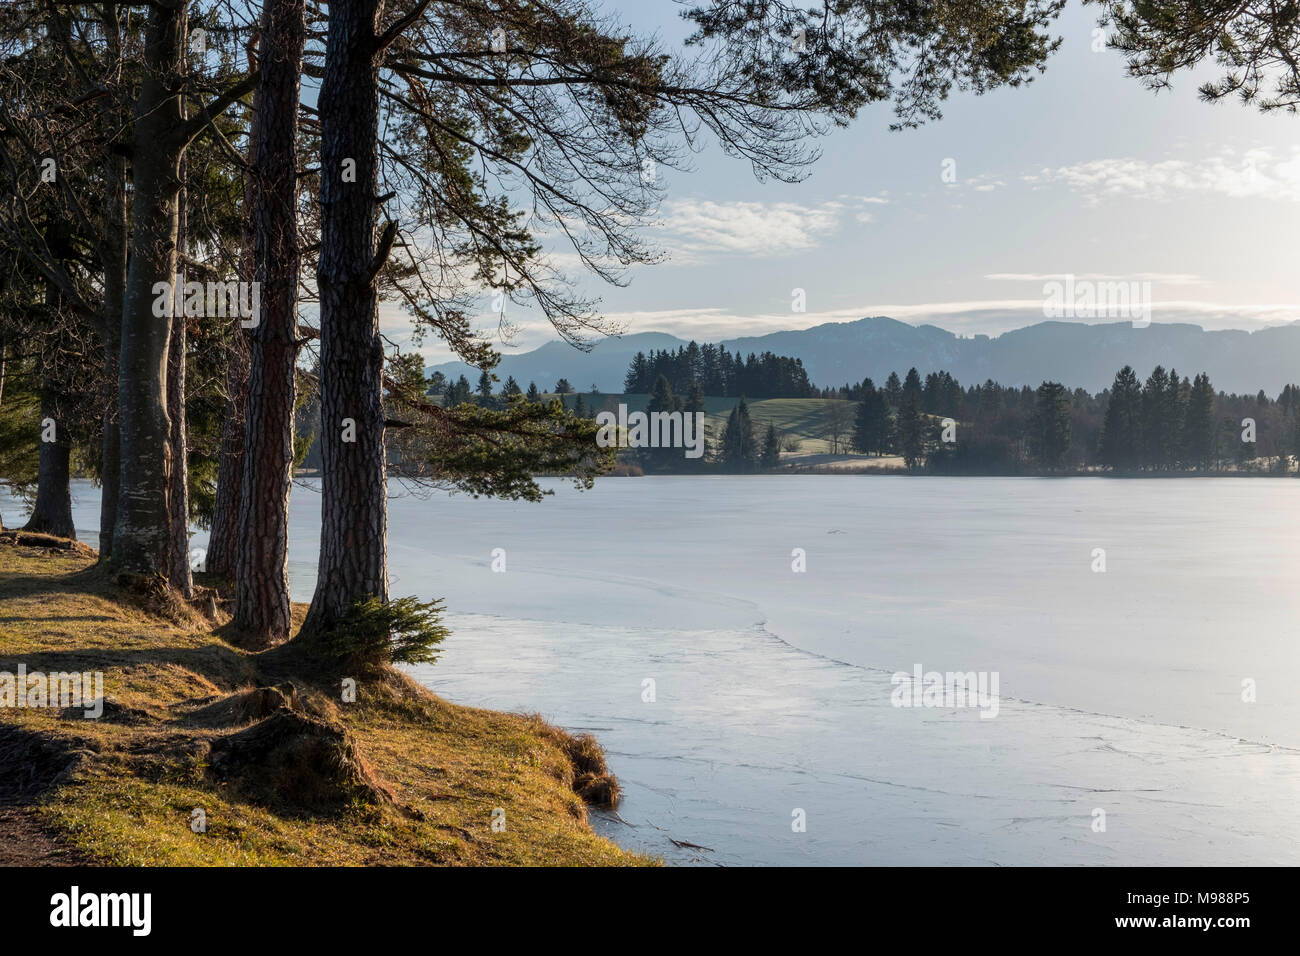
x=1165, y=278
x=700, y=228
x=1254, y=174
x=862, y=204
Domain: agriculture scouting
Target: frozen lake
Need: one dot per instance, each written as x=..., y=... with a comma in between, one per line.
x=1120, y=692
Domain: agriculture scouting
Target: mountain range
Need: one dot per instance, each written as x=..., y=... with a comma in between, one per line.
x=1074, y=353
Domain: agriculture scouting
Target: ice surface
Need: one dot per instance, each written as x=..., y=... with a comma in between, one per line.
x=1121, y=691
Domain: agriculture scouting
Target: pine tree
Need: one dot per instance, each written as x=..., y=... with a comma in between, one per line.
x=884, y=425
x=739, y=451
x=893, y=391
x=1294, y=443
x=910, y=421
x=1155, y=419
x=1121, y=430
x=912, y=389
x=533, y=394
x=662, y=399
x=871, y=426
x=911, y=430
x=1175, y=411
x=771, y=455
x=458, y=392
x=1199, y=428
x=863, y=438
x=262, y=609
x=635, y=380
x=1051, y=436
x=694, y=399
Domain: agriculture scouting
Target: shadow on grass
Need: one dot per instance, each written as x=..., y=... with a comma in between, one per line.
x=149, y=639
x=225, y=667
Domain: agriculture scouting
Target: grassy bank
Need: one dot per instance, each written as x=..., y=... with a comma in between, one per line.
x=398, y=777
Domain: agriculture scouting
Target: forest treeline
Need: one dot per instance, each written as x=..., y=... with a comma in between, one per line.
x=719, y=372
x=1169, y=423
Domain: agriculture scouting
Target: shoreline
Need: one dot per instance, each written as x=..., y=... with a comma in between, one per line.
x=399, y=777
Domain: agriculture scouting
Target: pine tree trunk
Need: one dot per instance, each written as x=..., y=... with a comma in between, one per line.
x=178, y=496
x=52, y=512
x=262, y=565
x=114, y=260
x=223, y=534
x=141, y=538
x=353, y=560
x=4, y=348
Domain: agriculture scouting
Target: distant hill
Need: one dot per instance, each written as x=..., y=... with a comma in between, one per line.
x=605, y=365
x=839, y=352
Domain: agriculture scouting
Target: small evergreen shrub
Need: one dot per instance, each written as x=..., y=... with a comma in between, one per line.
x=402, y=631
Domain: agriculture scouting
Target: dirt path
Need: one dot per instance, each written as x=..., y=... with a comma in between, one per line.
x=25, y=841
x=28, y=766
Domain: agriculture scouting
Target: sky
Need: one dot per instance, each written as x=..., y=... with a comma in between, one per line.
x=1082, y=172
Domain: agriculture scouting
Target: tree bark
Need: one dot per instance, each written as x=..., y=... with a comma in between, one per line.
x=52, y=512
x=262, y=566
x=353, y=560
x=141, y=537
x=113, y=257
x=4, y=348
x=178, y=496
x=224, y=531
x=223, y=535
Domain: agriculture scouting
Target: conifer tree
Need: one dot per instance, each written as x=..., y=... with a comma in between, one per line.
x=871, y=424
x=1121, y=435
x=1051, y=435
x=771, y=454
x=739, y=451
x=662, y=399
x=1199, y=426
x=893, y=391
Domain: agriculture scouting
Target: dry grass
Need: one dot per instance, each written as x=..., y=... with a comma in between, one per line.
x=416, y=778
